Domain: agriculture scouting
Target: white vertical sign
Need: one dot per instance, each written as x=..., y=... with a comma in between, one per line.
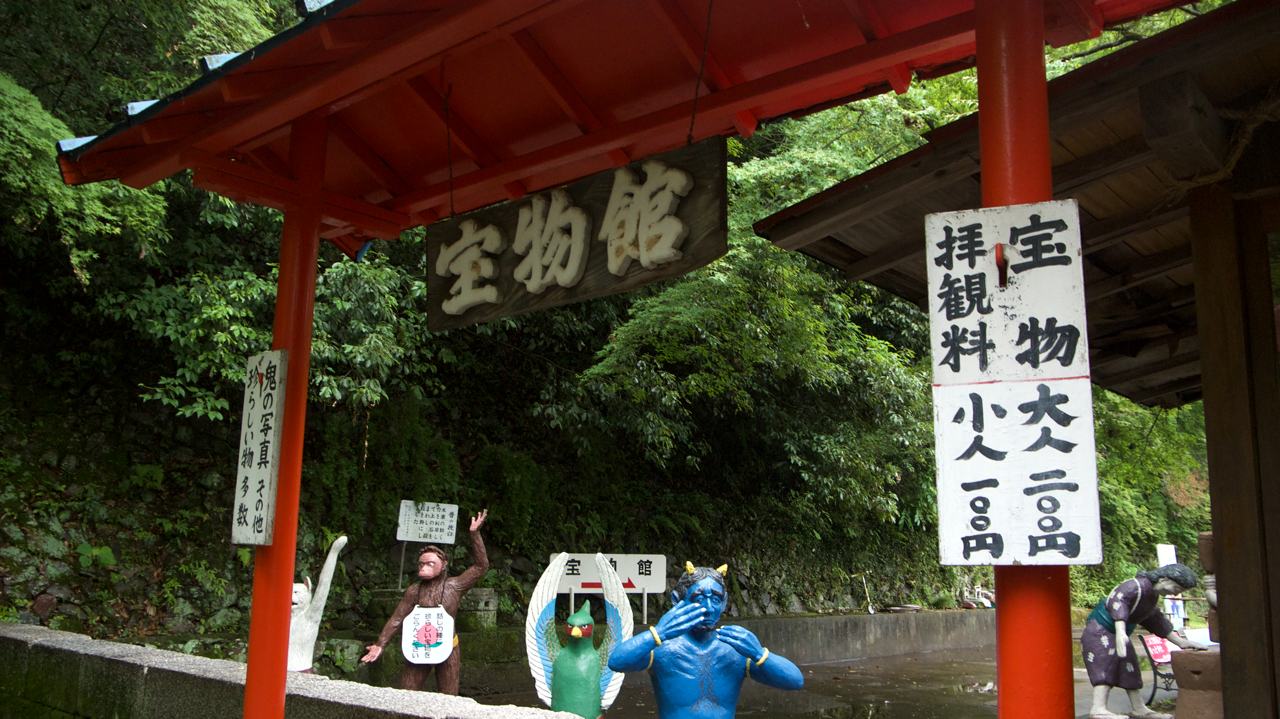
x=258, y=464
x=427, y=522
x=1012, y=402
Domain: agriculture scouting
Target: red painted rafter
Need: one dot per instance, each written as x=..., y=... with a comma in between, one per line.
x=465, y=138
x=398, y=57
x=239, y=180
x=1069, y=21
x=386, y=175
x=936, y=37
x=176, y=127
x=270, y=161
x=251, y=86
x=562, y=91
x=346, y=33
x=690, y=42
x=871, y=26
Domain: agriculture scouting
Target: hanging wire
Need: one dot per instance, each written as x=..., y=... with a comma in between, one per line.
x=448, y=132
x=448, y=145
x=702, y=66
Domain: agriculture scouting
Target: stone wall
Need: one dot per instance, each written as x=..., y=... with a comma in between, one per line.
x=46, y=673
x=812, y=640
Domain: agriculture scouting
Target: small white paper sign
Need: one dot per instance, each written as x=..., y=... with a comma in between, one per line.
x=258, y=465
x=427, y=522
x=1013, y=404
x=427, y=635
x=640, y=573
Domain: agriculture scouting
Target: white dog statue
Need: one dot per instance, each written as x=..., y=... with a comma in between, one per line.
x=304, y=620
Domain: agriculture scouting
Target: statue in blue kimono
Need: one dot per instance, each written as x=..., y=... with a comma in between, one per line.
x=697, y=668
x=1108, y=654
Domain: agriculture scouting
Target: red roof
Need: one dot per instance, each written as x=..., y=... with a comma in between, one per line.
x=536, y=93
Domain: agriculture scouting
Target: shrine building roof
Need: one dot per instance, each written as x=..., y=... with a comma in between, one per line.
x=1133, y=135
x=439, y=107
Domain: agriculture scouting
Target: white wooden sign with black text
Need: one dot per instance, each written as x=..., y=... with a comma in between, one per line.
x=1013, y=408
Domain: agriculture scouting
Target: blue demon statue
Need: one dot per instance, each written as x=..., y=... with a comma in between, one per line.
x=697, y=668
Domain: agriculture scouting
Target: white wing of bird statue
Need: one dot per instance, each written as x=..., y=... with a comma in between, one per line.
x=617, y=611
x=542, y=644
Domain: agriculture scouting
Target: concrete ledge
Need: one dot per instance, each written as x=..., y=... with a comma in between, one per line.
x=814, y=640
x=59, y=674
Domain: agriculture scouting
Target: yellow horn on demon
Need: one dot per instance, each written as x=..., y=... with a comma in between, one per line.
x=723, y=570
x=689, y=568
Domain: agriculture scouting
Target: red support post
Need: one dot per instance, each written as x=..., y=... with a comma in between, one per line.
x=264, y=689
x=1033, y=620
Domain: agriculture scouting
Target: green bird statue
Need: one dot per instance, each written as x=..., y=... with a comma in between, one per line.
x=576, y=677
x=575, y=674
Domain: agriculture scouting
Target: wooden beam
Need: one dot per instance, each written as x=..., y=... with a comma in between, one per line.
x=1097, y=235
x=368, y=158
x=1247, y=609
x=102, y=163
x=562, y=91
x=1169, y=304
x=464, y=138
x=858, y=203
x=690, y=43
x=871, y=26
x=1178, y=361
x=1143, y=396
x=1084, y=171
x=175, y=127
x=395, y=59
x=1101, y=234
x=245, y=87
x=955, y=31
x=1258, y=220
x=869, y=200
x=1070, y=21
x=347, y=33
x=1142, y=271
x=1257, y=174
x=1182, y=126
x=240, y=181
x=270, y=161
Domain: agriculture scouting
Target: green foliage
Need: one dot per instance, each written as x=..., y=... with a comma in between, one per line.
x=91, y=555
x=1152, y=488
x=39, y=209
x=87, y=60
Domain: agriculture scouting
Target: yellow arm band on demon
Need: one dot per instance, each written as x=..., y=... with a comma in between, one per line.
x=763, y=657
x=657, y=640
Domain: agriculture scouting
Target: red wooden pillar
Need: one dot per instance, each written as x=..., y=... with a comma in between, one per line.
x=1033, y=620
x=264, y=690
